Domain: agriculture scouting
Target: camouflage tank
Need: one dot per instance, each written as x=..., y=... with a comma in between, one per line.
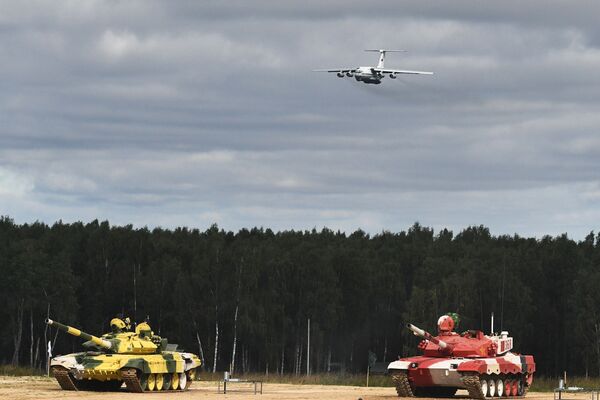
x=140, y=359
x=483, y=365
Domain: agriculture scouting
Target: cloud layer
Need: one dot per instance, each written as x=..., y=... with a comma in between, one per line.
x=189, y=113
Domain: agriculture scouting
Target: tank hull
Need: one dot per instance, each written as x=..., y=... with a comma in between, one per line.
x=512, y=371
x=167, y=370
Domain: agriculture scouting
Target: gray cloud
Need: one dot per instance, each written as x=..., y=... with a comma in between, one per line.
x=162, y=113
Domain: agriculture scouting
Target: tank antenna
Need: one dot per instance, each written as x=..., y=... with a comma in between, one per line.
x=502, y=301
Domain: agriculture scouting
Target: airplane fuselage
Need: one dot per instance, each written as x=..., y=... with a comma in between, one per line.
x=367, y=75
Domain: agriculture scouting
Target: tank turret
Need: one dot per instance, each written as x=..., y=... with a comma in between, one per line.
x=472, y=343
x=119, y=340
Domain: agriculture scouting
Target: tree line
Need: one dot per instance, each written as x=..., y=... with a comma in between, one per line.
x=242, y=300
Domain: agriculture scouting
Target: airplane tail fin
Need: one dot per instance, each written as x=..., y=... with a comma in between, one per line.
x=382, y=55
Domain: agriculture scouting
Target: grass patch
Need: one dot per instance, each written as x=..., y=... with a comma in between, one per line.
x=9, y=370
x=547, y=384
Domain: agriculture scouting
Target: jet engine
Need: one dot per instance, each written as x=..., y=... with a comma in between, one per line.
x=339, y=74
x=392, y=76
x=349, y=74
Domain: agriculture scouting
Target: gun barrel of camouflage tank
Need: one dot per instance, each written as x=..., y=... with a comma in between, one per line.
x=76, y=332
x=428, y=336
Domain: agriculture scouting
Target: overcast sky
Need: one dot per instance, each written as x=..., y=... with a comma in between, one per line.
x=170, y=113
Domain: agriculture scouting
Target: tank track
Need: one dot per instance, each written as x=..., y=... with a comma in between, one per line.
x=473, y=385
x=400, y=379
x=64, y=379
x=131, y=380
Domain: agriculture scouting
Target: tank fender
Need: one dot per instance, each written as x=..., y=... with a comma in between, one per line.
x=188, y=357
x=528, y=364
x=502, y=365
x=69, y=362
x=399, y=364
x=190, y=361
x=478, y=366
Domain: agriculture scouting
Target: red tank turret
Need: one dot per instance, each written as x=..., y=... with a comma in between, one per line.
x=472, y=360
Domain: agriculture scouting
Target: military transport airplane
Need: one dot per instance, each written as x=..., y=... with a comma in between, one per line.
x=373, y=75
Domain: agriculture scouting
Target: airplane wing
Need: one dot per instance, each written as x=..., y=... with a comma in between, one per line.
x=400, y=71
x=340, y=70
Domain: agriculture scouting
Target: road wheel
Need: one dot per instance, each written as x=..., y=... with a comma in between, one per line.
x=520, y=388
x=499, y=388
x=151, y=382
x=144, y=381
x=492, y=387
x=175, y=381
x=515, y=387
x=182, y=381
x=160, y=381
x=167, y=381
x=507, y=387
x=484, y=387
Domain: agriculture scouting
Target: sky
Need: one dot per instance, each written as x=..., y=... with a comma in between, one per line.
x=189, y=113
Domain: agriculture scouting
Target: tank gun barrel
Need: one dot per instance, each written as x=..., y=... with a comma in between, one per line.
x=428, y=336
x=76, y=332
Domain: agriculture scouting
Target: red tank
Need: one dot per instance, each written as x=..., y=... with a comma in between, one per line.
x=481, y=364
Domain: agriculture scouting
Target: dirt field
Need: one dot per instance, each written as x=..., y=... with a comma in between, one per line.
x=20, y=388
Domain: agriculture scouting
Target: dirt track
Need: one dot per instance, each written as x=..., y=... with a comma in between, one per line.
x=20, y=388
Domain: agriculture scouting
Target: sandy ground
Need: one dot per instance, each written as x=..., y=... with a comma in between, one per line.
x=20, y=388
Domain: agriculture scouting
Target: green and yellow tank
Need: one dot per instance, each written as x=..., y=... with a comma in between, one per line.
x=141, y=360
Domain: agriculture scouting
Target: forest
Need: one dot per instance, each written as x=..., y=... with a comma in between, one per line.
x=242, y=300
